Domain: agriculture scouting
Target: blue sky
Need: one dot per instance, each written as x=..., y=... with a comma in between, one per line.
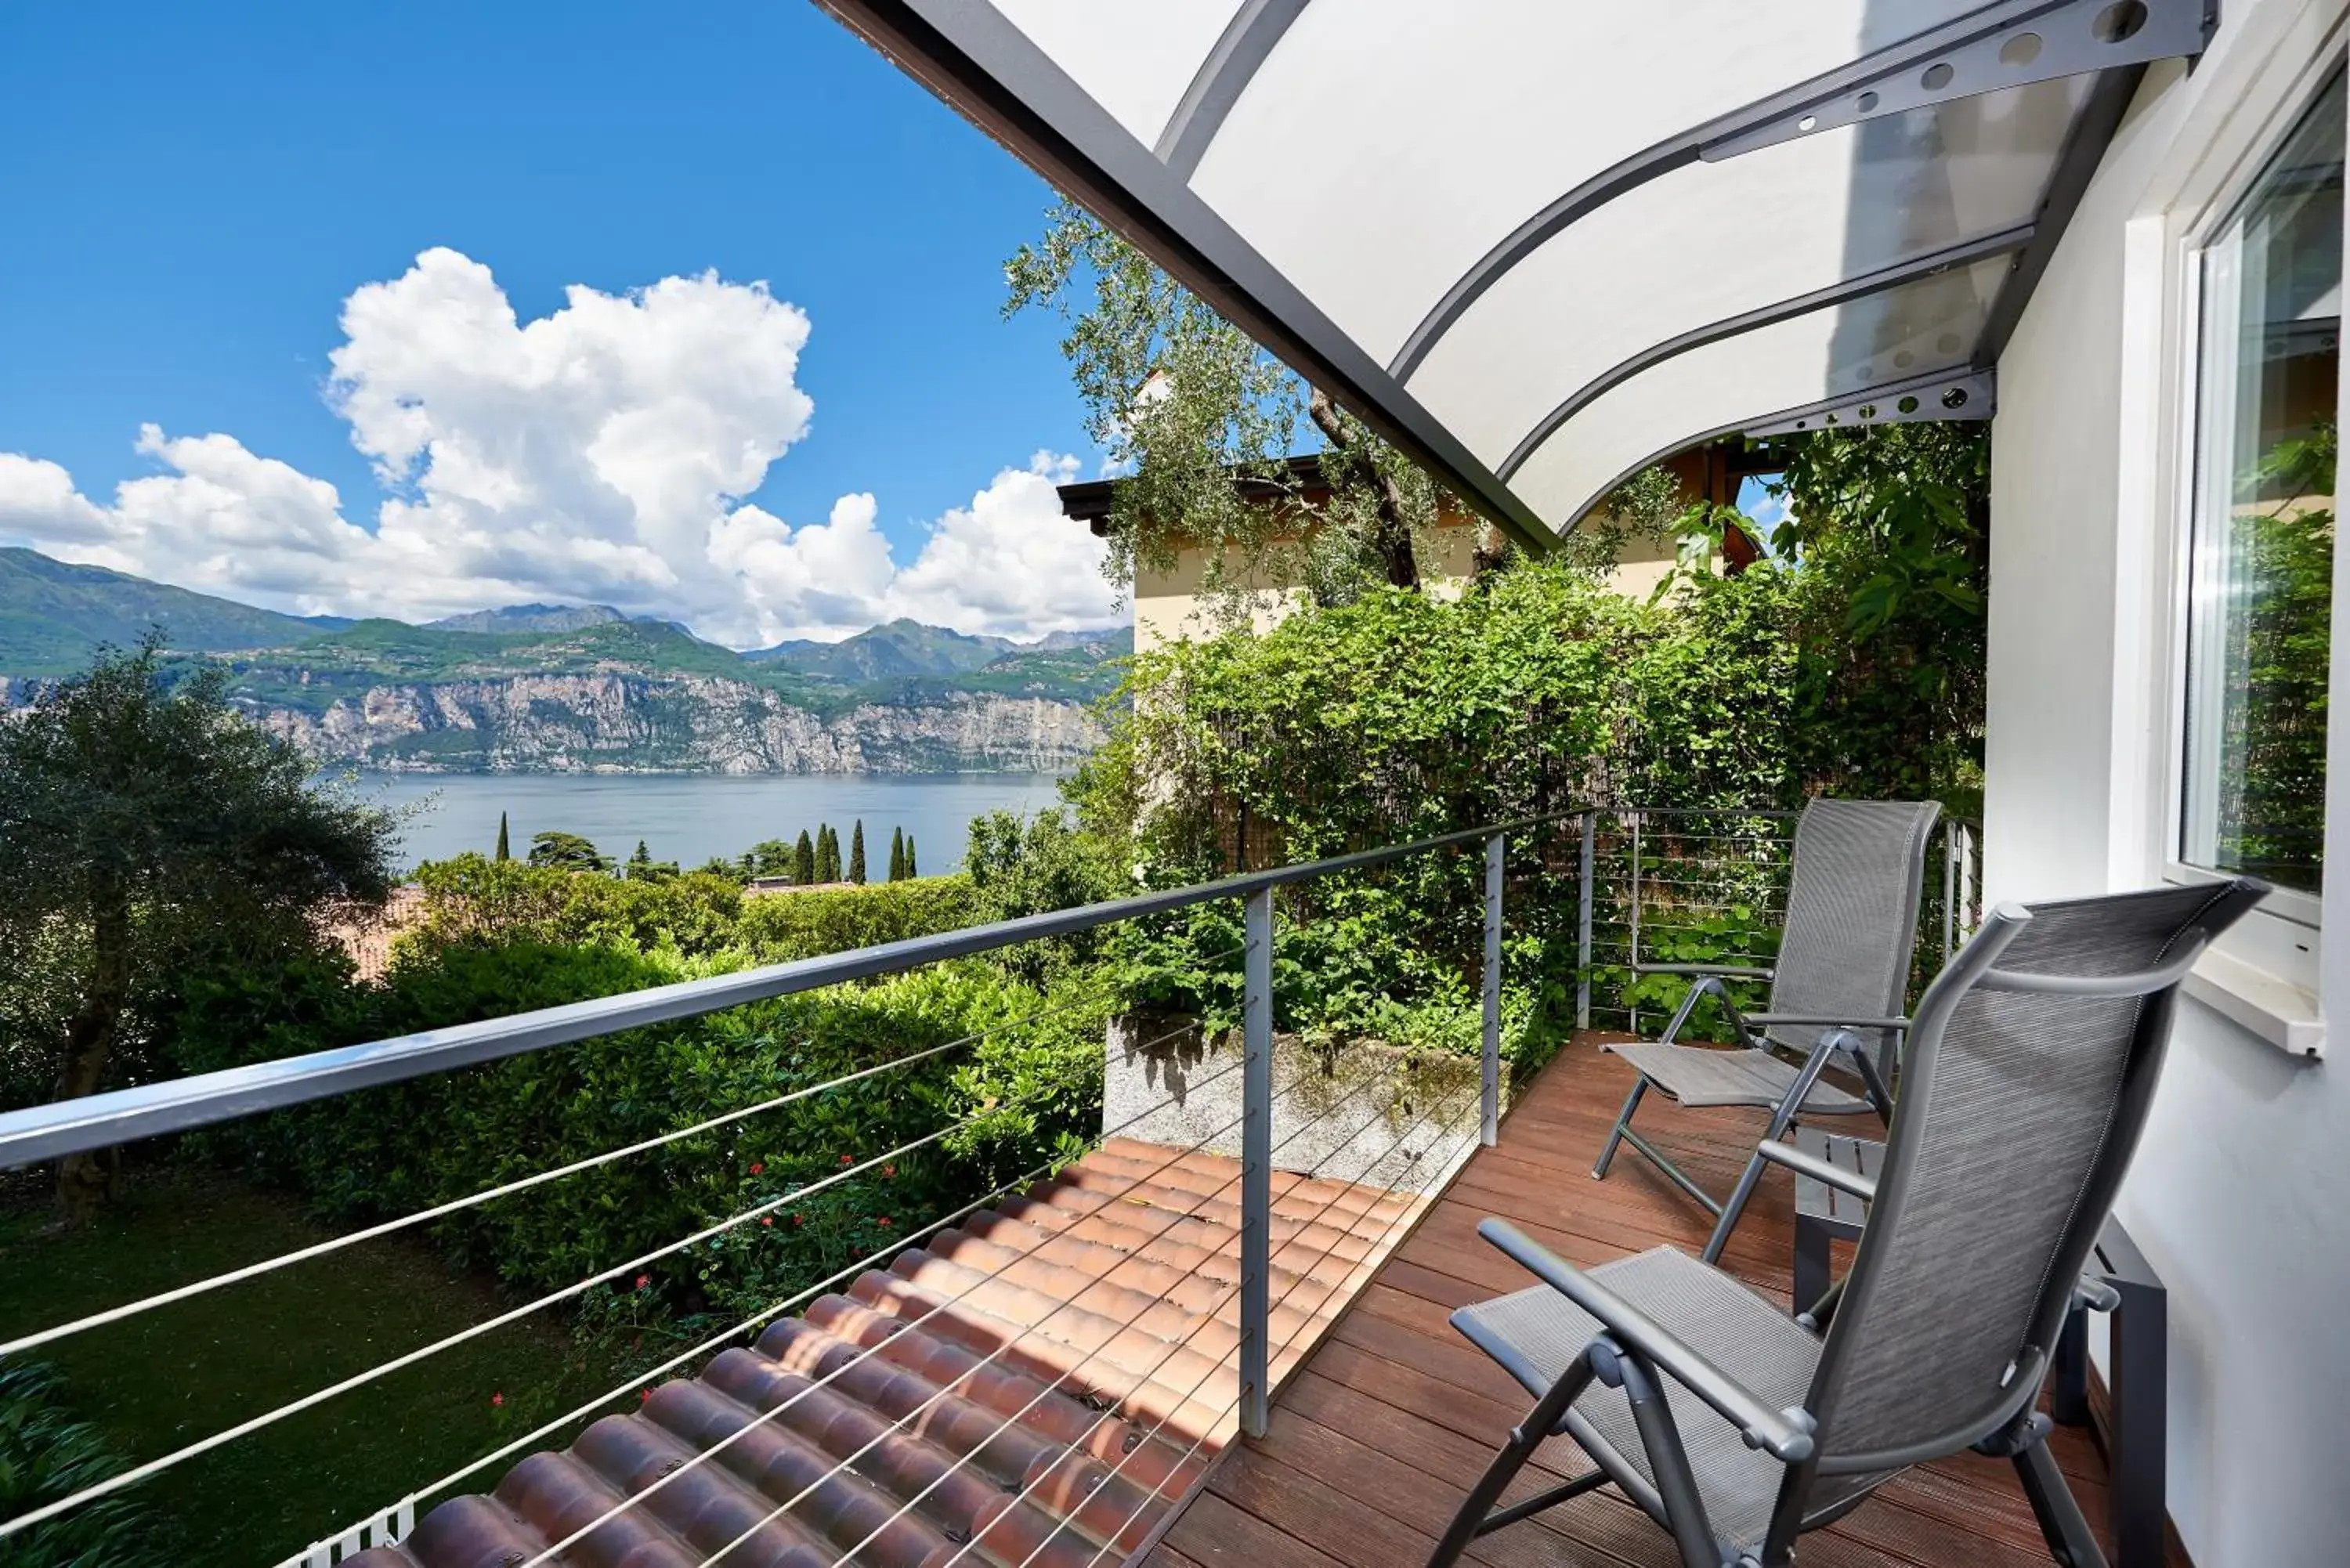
x=193, y=192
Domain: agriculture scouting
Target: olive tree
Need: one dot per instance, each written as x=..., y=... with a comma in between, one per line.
x=144, y=823
x=1200, y=421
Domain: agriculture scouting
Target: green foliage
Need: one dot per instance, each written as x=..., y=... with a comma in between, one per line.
x=897, y=854
x=1203, y=422
x=144, y=828
x=912, y=867
x=45, y=1455
x=804, y=860
x=805, y=924
x=643, y=867
x=472, y=899
x=359, y=1156
x=2271, y=806
x=567, y=852
x=1890, y=526
x=1029, y=866
x=505, y=851
x=856, y=852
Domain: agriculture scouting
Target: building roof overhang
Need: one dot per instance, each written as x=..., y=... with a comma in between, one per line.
x=1541, y=246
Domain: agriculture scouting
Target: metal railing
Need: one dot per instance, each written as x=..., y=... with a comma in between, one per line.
x=208, y=1100
x=1645, y=881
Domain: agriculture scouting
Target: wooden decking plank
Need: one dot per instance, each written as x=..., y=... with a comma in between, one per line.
x=1384, y=1427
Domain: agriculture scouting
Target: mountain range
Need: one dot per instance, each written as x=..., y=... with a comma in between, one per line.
x=583, y=687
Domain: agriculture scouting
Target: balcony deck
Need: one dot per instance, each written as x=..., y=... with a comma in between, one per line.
x=1376, y=1437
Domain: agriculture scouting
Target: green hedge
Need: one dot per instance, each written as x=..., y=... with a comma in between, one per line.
x=1029, y=1088
x=473, y=898
x=777, y=926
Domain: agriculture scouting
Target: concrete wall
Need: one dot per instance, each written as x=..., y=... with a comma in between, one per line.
x=2241, y=1194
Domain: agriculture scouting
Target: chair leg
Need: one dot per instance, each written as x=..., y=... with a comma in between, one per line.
x=1781, y=1119
x=2070, y=1539
x=1668, y=1461
x=1525, y=1439
x=1616, y=1137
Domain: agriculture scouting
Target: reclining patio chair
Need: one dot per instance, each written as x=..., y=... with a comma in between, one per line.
x=2030, y=1066
x=1836, y=994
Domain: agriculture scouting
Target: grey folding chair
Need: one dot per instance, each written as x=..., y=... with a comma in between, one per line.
x=1836, y=993
x=2031, y=1065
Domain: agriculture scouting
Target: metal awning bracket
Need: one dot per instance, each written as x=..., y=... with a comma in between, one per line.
x=1959, y=395
x=2006, y=47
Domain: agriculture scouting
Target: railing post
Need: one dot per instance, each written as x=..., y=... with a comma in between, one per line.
x=1582, y=929
x=1257, y=1162
x=1949, y=887
x=1493, y=1055
x=1633, y=942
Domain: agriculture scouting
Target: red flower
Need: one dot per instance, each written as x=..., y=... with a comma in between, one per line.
x=797, y=1220
x=643, y=1395
x=849, y=1159
x=497, y=1400
x=644, y=1281
x=889, y=1170
x=757, y=1168
x=766, y=1218
x=883, y=1222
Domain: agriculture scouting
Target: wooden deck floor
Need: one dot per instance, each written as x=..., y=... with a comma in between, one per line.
x=1377, y=1437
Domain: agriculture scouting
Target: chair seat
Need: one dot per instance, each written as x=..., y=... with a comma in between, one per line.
x=1697, y=1075
x=1537, y=1333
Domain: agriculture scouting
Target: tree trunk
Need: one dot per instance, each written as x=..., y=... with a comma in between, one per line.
x=85, y=1179
x=1392, y=538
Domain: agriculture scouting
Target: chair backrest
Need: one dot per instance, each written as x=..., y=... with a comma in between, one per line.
x=1851, y=928
x=2029, y=1073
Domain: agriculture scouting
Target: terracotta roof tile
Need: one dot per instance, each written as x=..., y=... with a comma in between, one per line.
x=1048, y=1378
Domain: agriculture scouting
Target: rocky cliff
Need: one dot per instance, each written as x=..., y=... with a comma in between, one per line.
x=619, y=722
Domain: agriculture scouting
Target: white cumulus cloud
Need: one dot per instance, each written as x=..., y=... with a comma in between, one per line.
x=598, y=453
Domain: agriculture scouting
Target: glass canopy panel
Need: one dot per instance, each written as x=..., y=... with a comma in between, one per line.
x=1134, y=58
x=1710, y=242
x=1423, y=135
x=1916, y=329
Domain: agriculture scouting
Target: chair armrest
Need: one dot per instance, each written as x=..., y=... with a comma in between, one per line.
x=1724, y=970
x=1784, y=1435
x=1826, y=1021
x=1861, y=1187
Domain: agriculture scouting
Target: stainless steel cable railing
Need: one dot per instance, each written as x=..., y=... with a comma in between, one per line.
x=206, y=1100
x=1641, y=876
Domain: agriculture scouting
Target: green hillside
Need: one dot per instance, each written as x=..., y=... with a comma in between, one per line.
x=53, y=614
x=890, y=651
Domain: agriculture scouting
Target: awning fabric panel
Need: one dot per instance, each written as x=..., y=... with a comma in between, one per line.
x=1412, y=131
x=1638, y=271
x=1538, y=242
x=1913, y=330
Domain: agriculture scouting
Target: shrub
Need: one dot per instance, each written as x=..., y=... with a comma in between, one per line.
x=473, y=899
x=1032, y=1080
x=775, y=928
x=45, y=1455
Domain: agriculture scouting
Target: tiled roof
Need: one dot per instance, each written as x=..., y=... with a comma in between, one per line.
x=1113, y=1288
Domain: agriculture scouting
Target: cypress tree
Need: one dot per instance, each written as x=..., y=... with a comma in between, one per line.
x=856, y=852
x=912, y=870
x=828, y=854
x=897, y=854
x=504, y=851
x=803, y=859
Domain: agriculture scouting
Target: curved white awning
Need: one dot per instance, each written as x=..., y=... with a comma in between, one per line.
x=1542, y=243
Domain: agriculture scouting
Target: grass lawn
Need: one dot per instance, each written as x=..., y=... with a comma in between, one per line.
x=182, y=1372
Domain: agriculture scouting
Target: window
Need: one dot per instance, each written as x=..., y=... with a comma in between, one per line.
x=2261, y=563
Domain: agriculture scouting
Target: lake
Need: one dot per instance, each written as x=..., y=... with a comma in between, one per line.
x=689, y=817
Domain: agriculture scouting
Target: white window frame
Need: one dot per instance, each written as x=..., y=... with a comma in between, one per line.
x=2269, y=966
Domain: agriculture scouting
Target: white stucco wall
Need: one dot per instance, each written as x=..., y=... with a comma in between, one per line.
x=2241, y=1194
